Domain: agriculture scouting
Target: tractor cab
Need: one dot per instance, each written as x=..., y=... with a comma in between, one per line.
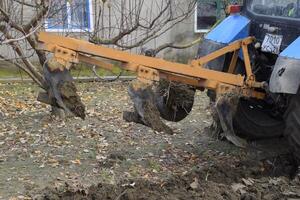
x=274, y=57
x=274, y=23
x=276, y=26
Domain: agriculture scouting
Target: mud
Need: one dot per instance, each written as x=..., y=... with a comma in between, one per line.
x=71, y=99
x=217, y=177
x=230, y=180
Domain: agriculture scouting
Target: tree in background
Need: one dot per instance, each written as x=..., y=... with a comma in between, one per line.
x=137, y=22
x=124, y=24
x=18, y=35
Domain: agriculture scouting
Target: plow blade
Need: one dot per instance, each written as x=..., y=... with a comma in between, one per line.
x=226, y=107
x=169, y=101
x=62, y=92
x=145, y=110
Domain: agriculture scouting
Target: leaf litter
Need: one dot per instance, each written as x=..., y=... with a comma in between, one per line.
x=104, y=157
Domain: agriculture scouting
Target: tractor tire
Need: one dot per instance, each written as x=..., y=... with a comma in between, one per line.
x=292, y=122
x=252, y=121
x=173, y=100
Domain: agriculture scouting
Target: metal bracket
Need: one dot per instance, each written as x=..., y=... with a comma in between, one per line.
x=65, y=57
x=146, y=74
x=239, y=91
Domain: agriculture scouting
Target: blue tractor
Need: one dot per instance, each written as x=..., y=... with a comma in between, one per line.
x=275, y=58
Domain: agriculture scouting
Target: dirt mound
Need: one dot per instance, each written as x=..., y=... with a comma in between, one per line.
x=140, y=189
x=230, y=180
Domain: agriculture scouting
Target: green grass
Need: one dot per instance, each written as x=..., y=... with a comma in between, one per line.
x=12, y=73
x=78, y=71
x=87, y=71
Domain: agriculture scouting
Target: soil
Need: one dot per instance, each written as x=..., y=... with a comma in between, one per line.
x=104, y=157
x=221, y=181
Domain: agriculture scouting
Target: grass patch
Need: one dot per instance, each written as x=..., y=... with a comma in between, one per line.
x=78, y=71
x=154, y=165
x=83, y=70
x=12, y=73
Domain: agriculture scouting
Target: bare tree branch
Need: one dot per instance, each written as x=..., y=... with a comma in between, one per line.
x=176, y=46
x=12, y=61
x=137, y=27
x=26, y=4
x=14, y=32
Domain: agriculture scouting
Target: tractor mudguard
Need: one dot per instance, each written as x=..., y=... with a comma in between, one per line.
x=285, y=77
x=232, y=28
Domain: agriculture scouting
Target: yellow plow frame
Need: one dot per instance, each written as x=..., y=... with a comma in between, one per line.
x=68, y=51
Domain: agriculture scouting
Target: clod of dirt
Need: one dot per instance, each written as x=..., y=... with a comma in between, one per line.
x=117, y=156
x=71, y=99
x=112, y=159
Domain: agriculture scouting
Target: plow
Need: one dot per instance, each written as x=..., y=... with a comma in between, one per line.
x=153, y=75
x=249, y=64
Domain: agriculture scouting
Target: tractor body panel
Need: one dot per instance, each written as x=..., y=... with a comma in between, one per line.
x=232, y=28
x=286, y=73
x=259, y=19
x=210, y=46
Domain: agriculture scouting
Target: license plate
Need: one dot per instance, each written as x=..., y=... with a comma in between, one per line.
x=272, y=43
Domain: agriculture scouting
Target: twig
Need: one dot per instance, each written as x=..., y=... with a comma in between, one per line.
x=120, y=195
x=174, y=46
x=26, y=4
x=27, y=71
x=8, y=41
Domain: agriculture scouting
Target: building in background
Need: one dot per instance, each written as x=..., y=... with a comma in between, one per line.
x=207, y=13
x=71, y=16
x=79, y=18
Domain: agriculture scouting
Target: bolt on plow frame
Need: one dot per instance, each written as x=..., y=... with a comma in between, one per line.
x=151, y=104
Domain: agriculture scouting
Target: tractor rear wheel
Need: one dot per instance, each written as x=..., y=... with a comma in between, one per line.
x=174, y=100
x=292, y=121
x=253, y=120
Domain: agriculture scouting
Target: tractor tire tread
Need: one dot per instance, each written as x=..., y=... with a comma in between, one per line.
x=253, y=130
x=292, y=130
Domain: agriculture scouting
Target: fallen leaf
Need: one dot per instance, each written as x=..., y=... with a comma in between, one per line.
x=248, y=182
x=195, y=184
x=237, y=187
x=77, y=161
